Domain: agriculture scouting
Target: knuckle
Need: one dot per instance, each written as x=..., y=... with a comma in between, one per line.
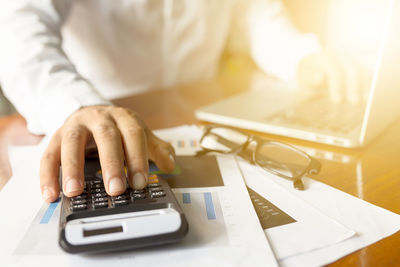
x=128, y=116
x=133, y=116
x=134, y=130
x=116, y=111
x=120, y=110
x=106, y=131
x=98, y=111
x=94, y=114
x=112, y=164
x=73, y=135
x=89, y=112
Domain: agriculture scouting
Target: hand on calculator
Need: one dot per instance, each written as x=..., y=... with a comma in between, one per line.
x=121, y=138
x=96, y=222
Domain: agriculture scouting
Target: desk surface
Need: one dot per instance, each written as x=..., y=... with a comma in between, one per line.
x=371, y=173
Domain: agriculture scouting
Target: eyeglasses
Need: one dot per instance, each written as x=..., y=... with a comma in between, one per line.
x=278, y=158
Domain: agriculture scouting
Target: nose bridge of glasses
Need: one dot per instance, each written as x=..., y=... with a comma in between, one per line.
x=230, y=143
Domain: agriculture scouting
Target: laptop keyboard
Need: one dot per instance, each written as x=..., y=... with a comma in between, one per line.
x=320, y=114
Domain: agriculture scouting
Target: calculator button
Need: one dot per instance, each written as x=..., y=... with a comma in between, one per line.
x=153, y=185
x=100, y=205
x=138, y=196
x=97, y=190
x=100, y=199
x=155, y=189
x=137, y=191
x=121, y=197
x=99, y=185
x=94, y=182
x=78, y=207
x=82, y=196
x=120, y=202
x=95, y=195
x=78, y=201
x=157, y=194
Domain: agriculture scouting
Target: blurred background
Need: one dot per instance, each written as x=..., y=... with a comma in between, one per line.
x=5, y=106
x=351, y=27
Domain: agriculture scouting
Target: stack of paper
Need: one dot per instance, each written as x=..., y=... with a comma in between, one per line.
x=326, y=224
x=305, y=228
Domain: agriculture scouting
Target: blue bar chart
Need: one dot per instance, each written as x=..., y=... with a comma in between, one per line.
x=49, y=212
x=203, y=210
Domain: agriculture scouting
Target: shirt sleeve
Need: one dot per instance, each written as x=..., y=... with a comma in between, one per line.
x=35, y=73
x=275, y=44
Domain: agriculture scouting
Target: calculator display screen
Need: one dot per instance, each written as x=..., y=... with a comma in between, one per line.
x=102, y=231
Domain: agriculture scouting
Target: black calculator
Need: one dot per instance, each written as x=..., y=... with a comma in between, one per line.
x=96, y=222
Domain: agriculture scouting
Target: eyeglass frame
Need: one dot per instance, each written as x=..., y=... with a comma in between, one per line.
x=314, y=166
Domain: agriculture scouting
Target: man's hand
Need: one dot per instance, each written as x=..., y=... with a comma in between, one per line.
x=121, y=137
x=339, y=75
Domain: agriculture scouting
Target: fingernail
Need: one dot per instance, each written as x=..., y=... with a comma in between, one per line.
x=46, y=194
x=172, y=158
x=139, y=181
x=72, y=185
x=168, y=153
x=116, y=185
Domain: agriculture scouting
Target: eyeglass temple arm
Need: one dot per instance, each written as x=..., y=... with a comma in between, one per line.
x=245, y=152
x=315, y=166
x=203, y=152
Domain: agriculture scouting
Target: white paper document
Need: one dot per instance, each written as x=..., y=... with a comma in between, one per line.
x=223, y=227
x=371, y=223
x=326, y=224
x=311, y=229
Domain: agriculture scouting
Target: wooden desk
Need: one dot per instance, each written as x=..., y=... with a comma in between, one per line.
x=372, y=173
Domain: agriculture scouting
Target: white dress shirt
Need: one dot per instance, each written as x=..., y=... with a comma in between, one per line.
x=59, y=55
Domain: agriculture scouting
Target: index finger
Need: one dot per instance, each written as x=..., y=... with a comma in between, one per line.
x=134, y=141
x=109, y=145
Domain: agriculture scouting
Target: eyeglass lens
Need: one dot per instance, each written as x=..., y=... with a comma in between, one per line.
x=279, y=158
x=283, y=160
x=223, y=140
